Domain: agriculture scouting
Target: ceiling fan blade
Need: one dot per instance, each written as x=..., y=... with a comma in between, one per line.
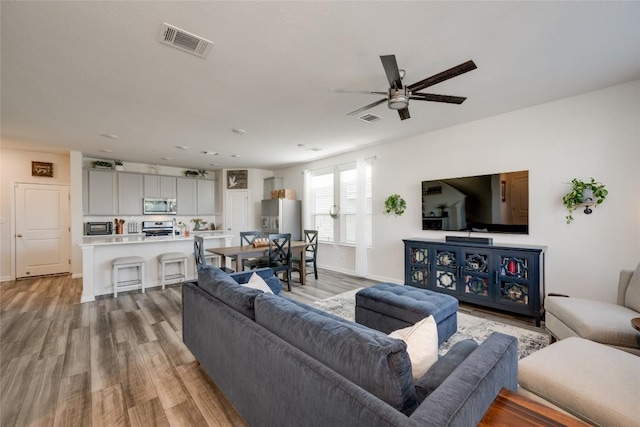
x=366, y=92
x=438, y=98
x=391, y=69
x=445, y=75
x=366, y=107
x=404, y=114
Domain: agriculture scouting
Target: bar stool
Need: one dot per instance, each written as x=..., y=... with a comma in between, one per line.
x=172, y=258
x=124, y=263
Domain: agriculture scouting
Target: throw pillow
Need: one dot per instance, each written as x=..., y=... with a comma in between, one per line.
x=257, y=282
x=632, y=297
x=422, y=344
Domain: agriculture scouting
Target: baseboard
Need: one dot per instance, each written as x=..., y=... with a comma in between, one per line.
x=76, y=275
x=6, y=279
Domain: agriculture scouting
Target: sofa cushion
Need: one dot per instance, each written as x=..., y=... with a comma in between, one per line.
x=422, y=344
x=592, y=381
x=440, y=370
x=632, y=297
x=598, y=321
x=364, y=356
x=220, y=285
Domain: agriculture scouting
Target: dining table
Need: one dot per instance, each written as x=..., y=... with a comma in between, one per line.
x=240, y=253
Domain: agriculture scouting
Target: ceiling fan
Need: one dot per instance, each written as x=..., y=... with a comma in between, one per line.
x=398, y=96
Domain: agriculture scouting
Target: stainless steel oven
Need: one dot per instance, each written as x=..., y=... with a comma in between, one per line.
x=160, y=207
x=98, y=228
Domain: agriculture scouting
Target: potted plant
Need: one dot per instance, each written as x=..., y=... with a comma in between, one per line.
x=191, y=173
x=101, y=164
x=395, y=204
x=119, y=165
x=197, y=223
x=590, y=193
x=203, y=173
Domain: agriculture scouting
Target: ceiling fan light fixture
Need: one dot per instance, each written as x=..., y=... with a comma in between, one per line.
x=398, y=99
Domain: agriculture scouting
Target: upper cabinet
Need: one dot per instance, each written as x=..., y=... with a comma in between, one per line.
x=159, y=186
x=106, y=192
x=129, y=193
x=187, y=198
x=102, y=193
x=206, y=197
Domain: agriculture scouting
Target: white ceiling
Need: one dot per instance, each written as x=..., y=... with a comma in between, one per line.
x=72, y=71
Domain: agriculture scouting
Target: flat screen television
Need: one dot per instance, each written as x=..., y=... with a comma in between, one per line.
x=494, y=203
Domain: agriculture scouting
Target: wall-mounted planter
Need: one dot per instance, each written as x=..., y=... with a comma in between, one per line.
x=395, y=204
x=588, y=194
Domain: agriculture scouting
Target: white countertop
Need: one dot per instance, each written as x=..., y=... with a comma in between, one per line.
x=116, y=239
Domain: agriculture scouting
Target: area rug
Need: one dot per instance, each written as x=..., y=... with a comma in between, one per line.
x=476, y=328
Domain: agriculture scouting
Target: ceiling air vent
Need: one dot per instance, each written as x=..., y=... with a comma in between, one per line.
x=183, y=40
x=369, y=118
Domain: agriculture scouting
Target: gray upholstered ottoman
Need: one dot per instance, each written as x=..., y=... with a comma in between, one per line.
x=387, y=307
x=592, y=381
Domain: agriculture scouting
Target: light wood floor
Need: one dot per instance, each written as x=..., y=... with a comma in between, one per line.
x=112, y=362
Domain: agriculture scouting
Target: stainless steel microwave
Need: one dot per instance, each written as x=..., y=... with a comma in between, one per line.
x=98, y=228
x=160, y=207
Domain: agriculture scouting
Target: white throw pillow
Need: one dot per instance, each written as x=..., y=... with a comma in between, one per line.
x=256, y=282
x=422, y=344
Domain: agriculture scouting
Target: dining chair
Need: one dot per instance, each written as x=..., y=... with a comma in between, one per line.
x=280, y=255
x=248, y=237
x=310, y=254
x=200, y=257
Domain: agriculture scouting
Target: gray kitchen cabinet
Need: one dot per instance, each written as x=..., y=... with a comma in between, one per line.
x=129, y=194
x=206, y=197
x=102, y=192
x=85, y=191
x=187, y=196
x=159, y=186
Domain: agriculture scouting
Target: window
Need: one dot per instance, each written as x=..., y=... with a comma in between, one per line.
x=339, y=186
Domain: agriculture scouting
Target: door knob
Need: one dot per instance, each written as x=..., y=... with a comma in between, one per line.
x=19, y=235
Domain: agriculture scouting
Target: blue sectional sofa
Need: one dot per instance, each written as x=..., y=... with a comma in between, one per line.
x=283, y=363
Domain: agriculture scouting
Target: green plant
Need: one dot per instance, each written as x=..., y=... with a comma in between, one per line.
x=575, y=197
x=101, y=164
x=191, y=173
x=198, y=222
x=118, y=162
x=395, y=204
x=203, y=173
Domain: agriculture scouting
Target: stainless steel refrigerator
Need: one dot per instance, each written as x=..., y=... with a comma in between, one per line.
x=282, y=216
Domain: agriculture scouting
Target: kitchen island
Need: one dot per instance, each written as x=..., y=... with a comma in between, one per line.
x=99, y=251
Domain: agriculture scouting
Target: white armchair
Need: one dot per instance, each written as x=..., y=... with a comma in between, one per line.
x=599, y=321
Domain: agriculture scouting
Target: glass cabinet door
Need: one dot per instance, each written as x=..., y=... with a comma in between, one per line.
x=418, y=265
x=513, y=279
x=446, y=270
x=475, y=273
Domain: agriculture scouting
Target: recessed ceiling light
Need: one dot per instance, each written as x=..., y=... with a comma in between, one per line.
x=107, y=151
x=314, y=149
x=210, y=153
x=166, y=158
x=239, y=131
x=214, y=164
x=109, y=135
x=235, y=155
x=182, y=147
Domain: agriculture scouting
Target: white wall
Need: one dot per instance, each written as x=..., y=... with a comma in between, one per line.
x=15, y=167
x=592, y=135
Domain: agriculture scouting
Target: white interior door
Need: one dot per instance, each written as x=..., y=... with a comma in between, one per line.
x=237, y=214
x=42, y=238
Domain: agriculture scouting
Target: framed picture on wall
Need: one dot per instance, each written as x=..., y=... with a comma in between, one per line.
x=237, y=179
x=42, y=169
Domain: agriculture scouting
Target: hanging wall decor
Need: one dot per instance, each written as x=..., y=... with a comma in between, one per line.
x=42, y=169
x=584, y=193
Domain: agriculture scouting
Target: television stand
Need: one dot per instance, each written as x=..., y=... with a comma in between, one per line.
x=504, y=277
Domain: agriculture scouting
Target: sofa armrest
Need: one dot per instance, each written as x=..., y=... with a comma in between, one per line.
x=464, y=397
x=623, y=284
x=243, y=276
